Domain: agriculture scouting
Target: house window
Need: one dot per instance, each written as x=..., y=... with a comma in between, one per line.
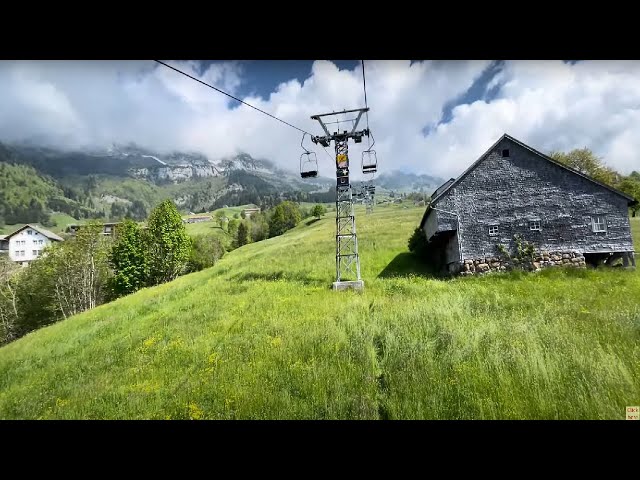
x=505, y=152
x=29, y=232
x=598, y=223
x=535, y=225
x=22, y=253
x=39, y=242
x=35, y=252
x=493, y=230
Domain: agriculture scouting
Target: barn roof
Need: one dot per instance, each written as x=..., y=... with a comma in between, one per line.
x=443, y=189
x=43, y=231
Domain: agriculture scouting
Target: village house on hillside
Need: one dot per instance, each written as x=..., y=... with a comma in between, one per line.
x=26, y=243
x=512, y=190
x=250, y=211
x=197, y=219
x=107, y=228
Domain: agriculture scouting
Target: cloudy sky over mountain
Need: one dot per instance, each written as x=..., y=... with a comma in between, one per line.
x=432, y=117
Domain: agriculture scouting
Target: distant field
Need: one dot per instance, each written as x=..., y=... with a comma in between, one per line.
x=212, y=227
x=229, y=211
x=261, y=335
x=209, y=228
x=61, y=220
x=310, y=205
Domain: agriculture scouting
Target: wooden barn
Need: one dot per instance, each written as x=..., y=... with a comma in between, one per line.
x=514, y=191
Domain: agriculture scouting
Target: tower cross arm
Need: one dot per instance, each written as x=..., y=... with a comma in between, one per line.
x=355, y=124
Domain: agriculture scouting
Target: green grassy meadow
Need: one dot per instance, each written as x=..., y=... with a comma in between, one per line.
x=228, y=211
x=261, y=336
x=209, y=228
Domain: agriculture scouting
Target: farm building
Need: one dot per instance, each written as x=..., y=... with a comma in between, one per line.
x=107, y=228
x=513, y=190
x=250, y=211
x=197, y=219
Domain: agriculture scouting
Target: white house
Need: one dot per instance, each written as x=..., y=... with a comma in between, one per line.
x=26, y=243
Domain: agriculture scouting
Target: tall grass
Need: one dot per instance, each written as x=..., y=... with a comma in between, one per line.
x=261, y=335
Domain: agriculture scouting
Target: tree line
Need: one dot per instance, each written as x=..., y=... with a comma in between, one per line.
x=265, y=224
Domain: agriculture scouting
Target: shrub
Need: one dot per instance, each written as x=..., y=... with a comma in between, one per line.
x=205, y=251
x=524, y=253
x=318, y=211
x=418, y=243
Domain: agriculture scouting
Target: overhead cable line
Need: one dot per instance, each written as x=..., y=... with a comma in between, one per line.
x=235, y=98
x=364, y=85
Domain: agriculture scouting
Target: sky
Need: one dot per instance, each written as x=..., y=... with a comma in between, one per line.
x=432, y=117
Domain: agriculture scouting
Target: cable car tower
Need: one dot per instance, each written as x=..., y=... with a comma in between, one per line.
x=347, y=258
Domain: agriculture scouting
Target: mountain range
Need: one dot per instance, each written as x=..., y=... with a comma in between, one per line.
x=129, y=180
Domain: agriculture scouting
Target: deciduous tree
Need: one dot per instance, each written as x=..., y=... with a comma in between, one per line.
x=318, y=210
x=129, y=259
x=168, y=243
x=585, y=161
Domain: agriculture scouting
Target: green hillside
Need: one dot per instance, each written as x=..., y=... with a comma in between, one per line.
x=260, y=335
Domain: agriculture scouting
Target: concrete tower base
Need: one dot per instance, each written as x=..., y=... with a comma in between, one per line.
x=354, y=284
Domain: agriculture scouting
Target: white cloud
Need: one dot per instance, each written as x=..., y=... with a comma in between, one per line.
x=552, y=106
x=549, y=105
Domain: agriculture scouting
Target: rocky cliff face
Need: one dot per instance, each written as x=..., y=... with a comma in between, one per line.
x=175, y=173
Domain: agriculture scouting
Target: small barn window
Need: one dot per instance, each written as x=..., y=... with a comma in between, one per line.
x=505, y=152
x=598, y=223
x=535, y=225
x=493, y=230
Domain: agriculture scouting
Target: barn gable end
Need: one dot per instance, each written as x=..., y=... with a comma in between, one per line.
x=513, y=189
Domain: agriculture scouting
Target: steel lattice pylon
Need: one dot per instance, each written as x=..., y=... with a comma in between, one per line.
x=347, y=258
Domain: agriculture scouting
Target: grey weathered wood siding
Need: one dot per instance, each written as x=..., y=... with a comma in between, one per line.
x=511, y=191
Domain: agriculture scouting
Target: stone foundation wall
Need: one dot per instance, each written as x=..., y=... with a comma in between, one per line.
x=541, y=260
